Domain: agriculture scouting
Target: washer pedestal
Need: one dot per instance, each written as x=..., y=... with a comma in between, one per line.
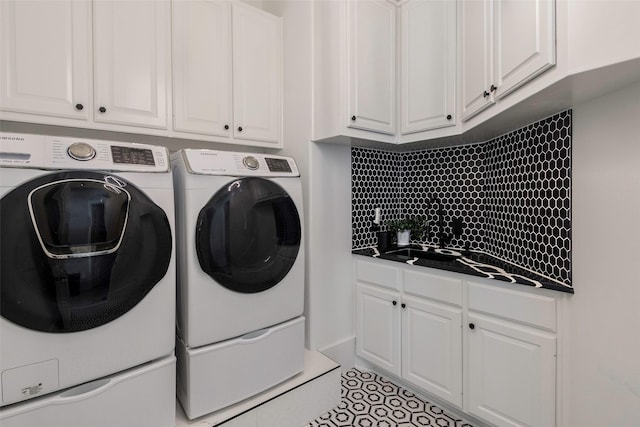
x=218, y=375
x=139, y=397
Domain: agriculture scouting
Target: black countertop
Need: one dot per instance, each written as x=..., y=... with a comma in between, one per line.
x=477, y=264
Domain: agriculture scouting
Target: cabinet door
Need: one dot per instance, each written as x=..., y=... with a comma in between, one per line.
x=476, y=24
x=371, y=64
x=432, y=348
x=131, y=60
x=524, y=41
x=202, y=67
x=428, y=40
x=378, y=327
x=511, y=373
x=45, y=58
x=257, y=74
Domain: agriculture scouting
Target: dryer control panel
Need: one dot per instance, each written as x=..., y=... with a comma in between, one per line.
x=213, y=162
x=52, y=152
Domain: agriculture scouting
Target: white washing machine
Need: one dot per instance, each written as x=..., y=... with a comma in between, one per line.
x=241, y=275
x=87, y=274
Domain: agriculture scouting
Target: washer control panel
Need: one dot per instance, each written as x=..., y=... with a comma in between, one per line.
x=278, y=165
x=51, y=152
x=132, y=155
x=213, y=162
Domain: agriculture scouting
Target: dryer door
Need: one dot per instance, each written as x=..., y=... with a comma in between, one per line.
x=79, y=249
x=248, y=235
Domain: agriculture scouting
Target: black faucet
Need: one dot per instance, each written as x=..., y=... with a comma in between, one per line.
x=456, y=226
x=443, y=238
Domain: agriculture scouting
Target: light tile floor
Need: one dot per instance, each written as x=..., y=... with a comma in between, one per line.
x=370, y=400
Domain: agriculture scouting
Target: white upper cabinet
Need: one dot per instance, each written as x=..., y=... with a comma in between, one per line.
x=524, y=41
x=202, y=67
x=428, y=64
x=46, y=58
x=257, y=74
x=371, y=59
x=131, y=57
x=354, y=78
x=505, y=43
x=477, y=62
x=185, y=68
x=227, y=71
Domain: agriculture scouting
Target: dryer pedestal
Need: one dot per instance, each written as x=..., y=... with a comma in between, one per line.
x=139, y=397
x=215, y=376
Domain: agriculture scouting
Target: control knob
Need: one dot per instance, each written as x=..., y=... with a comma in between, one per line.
x=250, y=162
x=81, y=151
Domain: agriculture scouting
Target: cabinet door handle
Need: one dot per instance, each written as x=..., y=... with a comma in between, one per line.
x=79, y=107
x=493, y=88
x=394, y=302
x=226, y=127
x=353, y=118
x=403, y=305
x=239, y=128
x=102, y=110
x=485, y=94
x=472, y=326
x=448, y=116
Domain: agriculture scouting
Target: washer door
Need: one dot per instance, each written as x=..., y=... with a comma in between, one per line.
x=78, y=250
x=248, y=235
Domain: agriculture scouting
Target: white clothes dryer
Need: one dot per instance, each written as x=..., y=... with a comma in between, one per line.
x=240, y=328
x=240, y=243
x=87, y=268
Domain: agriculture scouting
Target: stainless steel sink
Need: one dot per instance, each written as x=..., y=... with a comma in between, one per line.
x=432, y=254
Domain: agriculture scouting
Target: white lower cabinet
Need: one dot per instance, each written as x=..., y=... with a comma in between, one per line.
x=511, y=373
x=432, y=347
x=484, y=348
x=379, y=327
x=408, y=335
x=510, y=349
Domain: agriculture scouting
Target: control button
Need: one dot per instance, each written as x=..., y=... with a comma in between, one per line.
x=81, y=151
x=251, y=162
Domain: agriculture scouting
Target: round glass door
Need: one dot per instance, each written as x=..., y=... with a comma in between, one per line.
x=78, y=250
x=248, y=235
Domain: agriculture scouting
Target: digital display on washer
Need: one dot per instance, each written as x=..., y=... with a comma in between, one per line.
x=132, y=156
x=278, y=165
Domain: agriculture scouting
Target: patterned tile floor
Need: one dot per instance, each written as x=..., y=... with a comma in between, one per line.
x=370, y=400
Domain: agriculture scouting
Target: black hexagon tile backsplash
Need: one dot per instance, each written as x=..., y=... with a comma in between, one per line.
x=513, y=194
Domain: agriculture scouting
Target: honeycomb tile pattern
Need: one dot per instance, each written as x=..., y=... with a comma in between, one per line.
x=450, y=179
x=513, y=194
x=528, y=197
x=375, y=182
x=371, y=400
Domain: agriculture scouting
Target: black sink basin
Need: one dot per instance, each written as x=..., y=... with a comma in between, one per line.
x=410, y=253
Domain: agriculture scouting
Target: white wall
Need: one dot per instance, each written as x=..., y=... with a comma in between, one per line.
x=603, y=381
x=326, y=175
